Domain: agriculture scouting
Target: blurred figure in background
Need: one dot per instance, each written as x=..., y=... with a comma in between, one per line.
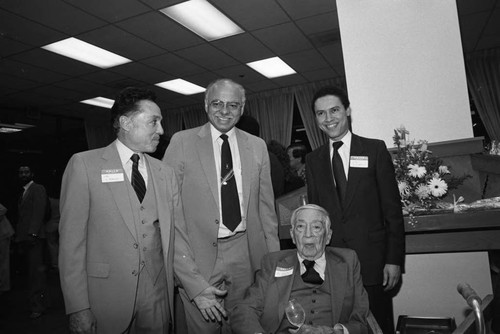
x=6, y=232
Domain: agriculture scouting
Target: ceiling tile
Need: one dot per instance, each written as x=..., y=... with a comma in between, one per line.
x=161, y=31
x=319, y=23
x=252, y=15
x=244, y=48
x=289, y=80
x=103, y=77
x=471, y=28
x=142, y=73
x=55, y=14
x=173, y=65
x=158, y=4
x=305, y=60
x=17, y=83
x=26, y=31
x=240, y=73
x=260, y=86
x=9, y=47
x=320, y=74
x=333, y=54
x=207, y=56
x=29, y=72
x=299, y=8
x=283, y=39
x=466, y=7
x=119, y=41
x=111, y=10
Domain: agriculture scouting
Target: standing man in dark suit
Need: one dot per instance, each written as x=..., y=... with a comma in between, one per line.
x=118, y=211
x=361, y=194
x=30, y=237
x=225, y=182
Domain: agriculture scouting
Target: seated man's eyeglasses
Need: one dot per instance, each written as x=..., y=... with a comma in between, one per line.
x=219, y=105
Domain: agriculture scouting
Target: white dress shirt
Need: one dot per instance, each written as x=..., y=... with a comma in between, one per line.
x=344, y=151
x=125, y=155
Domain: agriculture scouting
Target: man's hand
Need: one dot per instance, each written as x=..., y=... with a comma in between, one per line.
x=208, y=304
x=392, y=273
x=82, y=322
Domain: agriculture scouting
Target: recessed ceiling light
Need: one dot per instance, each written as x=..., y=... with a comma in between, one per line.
x=203, y=19
x=181, y=86
x=12, y=128
x=87, y=53
x=100, y=102
x=272, y=67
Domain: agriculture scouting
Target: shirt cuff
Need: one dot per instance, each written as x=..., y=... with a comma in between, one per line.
x=341, y=327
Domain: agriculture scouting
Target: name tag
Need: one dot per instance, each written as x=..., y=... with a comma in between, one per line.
x=359, y=162
x=282, y=272
x=112, y=175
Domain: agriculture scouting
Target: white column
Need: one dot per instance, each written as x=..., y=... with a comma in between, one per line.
x=404, y=65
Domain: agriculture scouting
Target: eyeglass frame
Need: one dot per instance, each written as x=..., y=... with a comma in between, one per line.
x=225, y=105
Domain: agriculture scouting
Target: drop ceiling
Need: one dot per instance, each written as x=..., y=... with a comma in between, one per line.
x=304, y=33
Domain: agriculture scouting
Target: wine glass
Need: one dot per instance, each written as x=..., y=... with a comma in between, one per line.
x=295, y=313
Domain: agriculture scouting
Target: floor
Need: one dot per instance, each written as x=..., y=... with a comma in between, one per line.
x=14, y=312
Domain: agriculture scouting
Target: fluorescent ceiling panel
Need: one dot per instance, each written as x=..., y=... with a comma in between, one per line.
x=203, y=19
x=100, y=102
x=181, y=86
x=272, y=67
x=12, y=128
x=85, y=52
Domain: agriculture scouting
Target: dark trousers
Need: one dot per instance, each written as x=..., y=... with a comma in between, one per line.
x=381, y=307
x=31, y=259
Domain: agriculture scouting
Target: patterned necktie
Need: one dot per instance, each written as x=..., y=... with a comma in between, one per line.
x=311, y=276
x=137, y=180
x=338, y=171
x=230, y=201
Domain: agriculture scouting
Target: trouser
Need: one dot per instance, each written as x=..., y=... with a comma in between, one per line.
x=232, y=272
x=5, y=264
x=381, y=307
x=31, y=256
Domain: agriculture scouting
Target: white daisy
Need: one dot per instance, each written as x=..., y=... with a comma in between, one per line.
x=422, y=191
x=404, y=189
x=437, y=187
x=443, y=170
x=416, y=170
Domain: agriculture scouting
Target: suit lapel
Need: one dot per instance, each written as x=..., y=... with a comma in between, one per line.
x=247, y=165
x=337, y=273
x=354, y=173
x=119, y=189
x=162, y=202
x=284, y=284
x=205, y=151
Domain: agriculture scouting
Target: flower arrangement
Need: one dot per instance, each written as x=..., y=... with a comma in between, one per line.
x=422, y=179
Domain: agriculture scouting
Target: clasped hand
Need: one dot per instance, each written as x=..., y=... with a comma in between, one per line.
x=209, y=304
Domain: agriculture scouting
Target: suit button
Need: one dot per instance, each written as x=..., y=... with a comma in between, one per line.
x=134, y=272
x=314, y=300
x=144, y=235
x=143, y=221
x=142, y=208
x=312, y=311
x=214, y=244
x=314, y=291
x=217, y=221
x=136, y=246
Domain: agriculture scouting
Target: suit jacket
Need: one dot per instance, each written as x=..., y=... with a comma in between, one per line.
x=371, y=220
x=190, y=153
x=31, y=213
x=264, y=305
x=98, y=255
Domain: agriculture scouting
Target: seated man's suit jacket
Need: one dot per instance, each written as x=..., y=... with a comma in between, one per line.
x=370, y=220
x=98, y=255
x=264, y=305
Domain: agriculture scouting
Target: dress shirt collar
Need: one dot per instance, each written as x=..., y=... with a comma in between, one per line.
x=216, y=134
x=125, y=153
x=27, y=185
x=319, y=265
x=346, y=140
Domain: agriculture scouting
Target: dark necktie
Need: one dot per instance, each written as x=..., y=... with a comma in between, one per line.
x=231, y=212
x=311, y=276
x=137, y=179
x=338, y=171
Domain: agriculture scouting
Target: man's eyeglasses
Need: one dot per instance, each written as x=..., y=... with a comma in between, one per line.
x=219, y=105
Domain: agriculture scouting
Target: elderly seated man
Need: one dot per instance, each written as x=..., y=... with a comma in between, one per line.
x=325, y=281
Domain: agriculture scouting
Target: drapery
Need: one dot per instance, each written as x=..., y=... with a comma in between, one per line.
x=194, y=116
x=172, y=122
x=483, y=79
x=274, y=112
x=304, y=95
x=99, y=134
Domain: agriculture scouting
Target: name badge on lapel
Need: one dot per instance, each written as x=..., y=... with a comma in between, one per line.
x=282, y=272
x=358, y=161
x=112, y=175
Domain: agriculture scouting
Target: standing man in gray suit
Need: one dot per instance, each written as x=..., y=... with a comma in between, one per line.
x=225, y=182
x=118, y=210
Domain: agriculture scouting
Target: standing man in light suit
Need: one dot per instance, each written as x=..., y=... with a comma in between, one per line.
x=118, y=209
x=225, y=182
x=353, y=179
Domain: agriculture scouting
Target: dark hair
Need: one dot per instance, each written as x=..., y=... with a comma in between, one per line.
x=299, y=150
x=126, y=103
x=249, y=124
x=330, y=90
